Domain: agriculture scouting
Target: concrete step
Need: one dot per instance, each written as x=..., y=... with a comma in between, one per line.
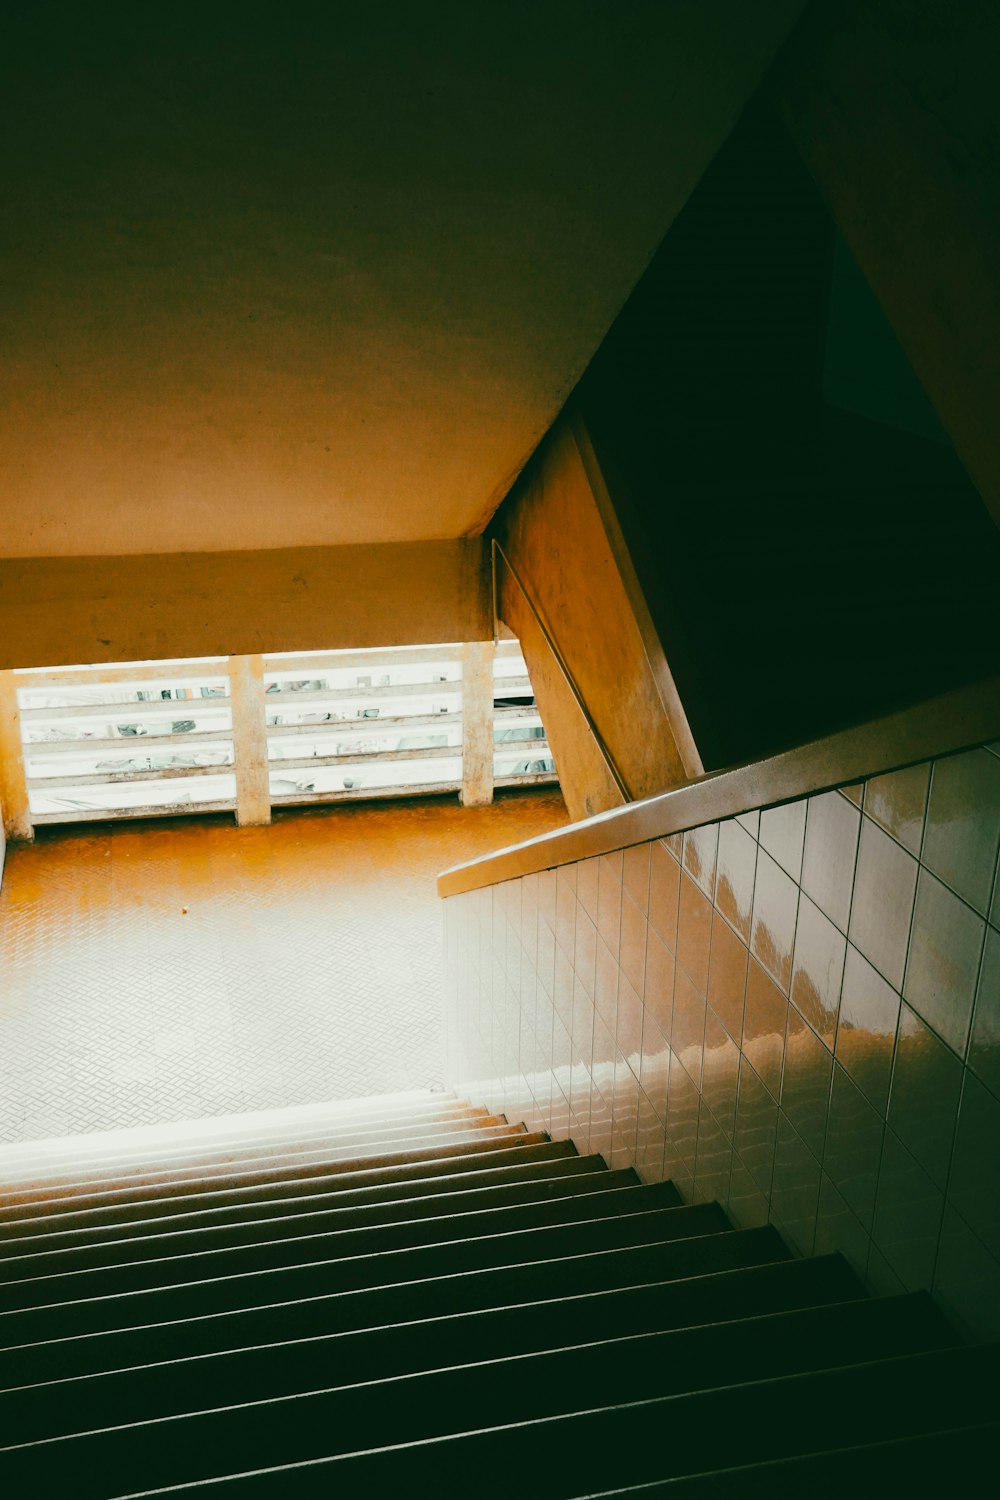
x=134, y=1202
x=191, y=1263
x=922, y=1464
x=95, y=1165
x=415, y=1408
x=611, y=1445
x=542, y=1166
x=323, y=1149
x=267, y=1124
x=43, y=1258
x=174, y=1302
x=269, y=1370
x=583, y=1270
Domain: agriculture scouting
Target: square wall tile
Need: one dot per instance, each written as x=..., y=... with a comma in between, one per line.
x=606, y=977
x=782, y=834
x=881, y=1280
x=714, y=1160
x=654, y=1068
x=582, y=1030
x=924, y=1094
x=546, y=896
x=632, y=957
x=727, y=977
x=974, y=1183
x=963, y=824
x=694, y=933
x=737, y=864
x=609, y=903
x=984, y=1048
x=650, y=1166
x=721, y=1072
x=853, y=1147
x=805, y=1083
x=664, y=890
x=687, y=1035
x=566, y=908
x=756, y=1127
x=748, y=1206
x=794, y=1189
x=967, y=1280
x=898, y=802
x=818, y=970
x=838, y=1229
x=585, y=954
x=545, y=959
x=750, y=821
x=628, y=1030
x=908, y=1213
x=764, y=1027
x=658, y=989
x=650, y=1138
x=775, y=903
x=831, y=845
x=882, y=904
x=635, y=875
x=682, y=1130
x=942, y=970
x=604, y=1047
x=866, y=1035
x=587, y=881
x=562, y=994
x=700, y=853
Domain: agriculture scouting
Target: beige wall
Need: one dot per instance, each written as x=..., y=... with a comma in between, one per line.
x=337, y=296
x=61, y=611
x=560, y=534
x=894, y=110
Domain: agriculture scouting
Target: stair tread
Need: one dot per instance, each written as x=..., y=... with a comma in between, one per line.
x=682, y=1262
x=536, y=1174
x=97, y=1167
x=347, y=1414
x=140, y=1142
x=297, y=1231
x=933, y=1459
x=199, y=1264
x=384, y=1267
x=660, y=1437
x=132, y=1186
x=162, y=1199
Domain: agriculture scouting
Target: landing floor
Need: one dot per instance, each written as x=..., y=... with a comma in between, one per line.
x=189, y=968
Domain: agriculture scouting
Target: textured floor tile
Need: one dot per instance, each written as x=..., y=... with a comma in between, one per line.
x=153, y=973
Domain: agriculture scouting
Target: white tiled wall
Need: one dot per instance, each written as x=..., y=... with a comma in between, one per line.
x=796, y=1012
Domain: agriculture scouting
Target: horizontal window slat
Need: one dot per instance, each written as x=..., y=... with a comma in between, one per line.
x=365, y=794
x=537, y=778
x=123, y=778
x=205, y=739
x=361, y=757
x=184, y=673
x=121, y=713
x=367, y=726
x=288, y=699
x=114, y=814
x=398, y=656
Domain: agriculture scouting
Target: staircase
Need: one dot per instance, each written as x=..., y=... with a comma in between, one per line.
x=410, y=1296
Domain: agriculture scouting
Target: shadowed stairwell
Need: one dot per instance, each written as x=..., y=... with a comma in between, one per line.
x=407, y=1295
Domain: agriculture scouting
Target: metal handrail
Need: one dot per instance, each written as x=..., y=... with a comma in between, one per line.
x=497, y=551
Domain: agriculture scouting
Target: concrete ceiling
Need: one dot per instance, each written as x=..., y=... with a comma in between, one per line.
x=301, y=275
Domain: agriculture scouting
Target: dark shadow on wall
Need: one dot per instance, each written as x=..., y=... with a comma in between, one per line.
x=808, y=564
